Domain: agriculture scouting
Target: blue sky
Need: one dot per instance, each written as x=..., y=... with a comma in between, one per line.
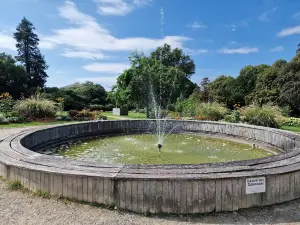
x=91, y=39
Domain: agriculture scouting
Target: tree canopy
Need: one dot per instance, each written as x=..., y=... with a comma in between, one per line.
x=30, y=56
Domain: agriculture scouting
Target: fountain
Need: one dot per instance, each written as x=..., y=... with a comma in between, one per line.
x=204, y=167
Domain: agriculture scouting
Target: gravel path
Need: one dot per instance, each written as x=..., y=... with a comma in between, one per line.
x=17, y=207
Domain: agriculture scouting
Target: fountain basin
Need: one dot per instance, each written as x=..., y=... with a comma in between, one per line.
x=180, y=189
x=178, y=148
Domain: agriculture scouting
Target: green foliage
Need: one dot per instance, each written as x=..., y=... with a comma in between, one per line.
x=62, y=116
x=233, y=117
x=30, y=56
x=266, y=115
x=13, y=77
x=43, y=194
x=211, y=111
x=3, y=119
x=36, y=107
x=225, y=89
x=186, y=107
x=96, y=107
x=165, y=73
x=15, y=185
x=290, y=121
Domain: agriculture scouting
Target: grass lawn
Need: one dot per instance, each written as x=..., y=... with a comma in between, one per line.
x=290, y=128
x=131, y=115
x=28, y=124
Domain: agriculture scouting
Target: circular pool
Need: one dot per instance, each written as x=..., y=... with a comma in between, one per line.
x=163, y=187
x=187, y=148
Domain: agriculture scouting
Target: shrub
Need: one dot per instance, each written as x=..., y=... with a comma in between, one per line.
x=266, y=115
x=73, y=113
x=211, y=111
x=290, y=121
x=16, y=119
x=96, y=107
x=3, y=119
x=6, y=103
x=186, y=107
x=163, y=114
x=234, y=117
x=141, y=111
x=109, y=107
x=171, y=107
x=35, y=107
x=62, y=116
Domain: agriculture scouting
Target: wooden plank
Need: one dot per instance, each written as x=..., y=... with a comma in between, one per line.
x=243, y=194
x=100, y=191
x=201, y=194
x=236, y=193
x=166, y=206
x=218, y=195
x=134, y=195
x=196, y=197
x=90, y=189
x=140, y=196
x=46, y=182
x=26, y=181
x=51, y=183
x=292, y=186
x=32, y=176
x=158, y=197
x=95, y=190
x=128, y=200
x=226, y=195
x=122, y=194
x=58, y=185
x=189, y=196
x=70, y=186
x=177, y=196
x=297, y=184
x=147, y=196
x=183, y=197
x=210, y=195
x=65, y=186
x=284, y=187
x=74, y=187
x=85, y=189
x=277, y=189
x=38, y=180
x=107, y=192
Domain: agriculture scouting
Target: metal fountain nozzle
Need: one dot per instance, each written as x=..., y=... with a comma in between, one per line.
x=159, y=146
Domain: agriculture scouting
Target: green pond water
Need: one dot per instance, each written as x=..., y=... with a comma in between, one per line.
x=142, y=149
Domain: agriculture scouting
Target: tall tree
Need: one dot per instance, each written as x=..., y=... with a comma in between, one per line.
x=204, y=85
x=30, y=56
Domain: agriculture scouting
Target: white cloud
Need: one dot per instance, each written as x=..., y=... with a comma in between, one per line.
x=83, y=55
x=197, y=25
x=194, y=51
x=46, y=45
x=106, y=82
x=87, y=35
x=265, y=15
x=243, y=50
x=120, y=7
x=277, y=49
x=289, y=31
x=7, y=42
x=232, y=42
x=112, y=68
